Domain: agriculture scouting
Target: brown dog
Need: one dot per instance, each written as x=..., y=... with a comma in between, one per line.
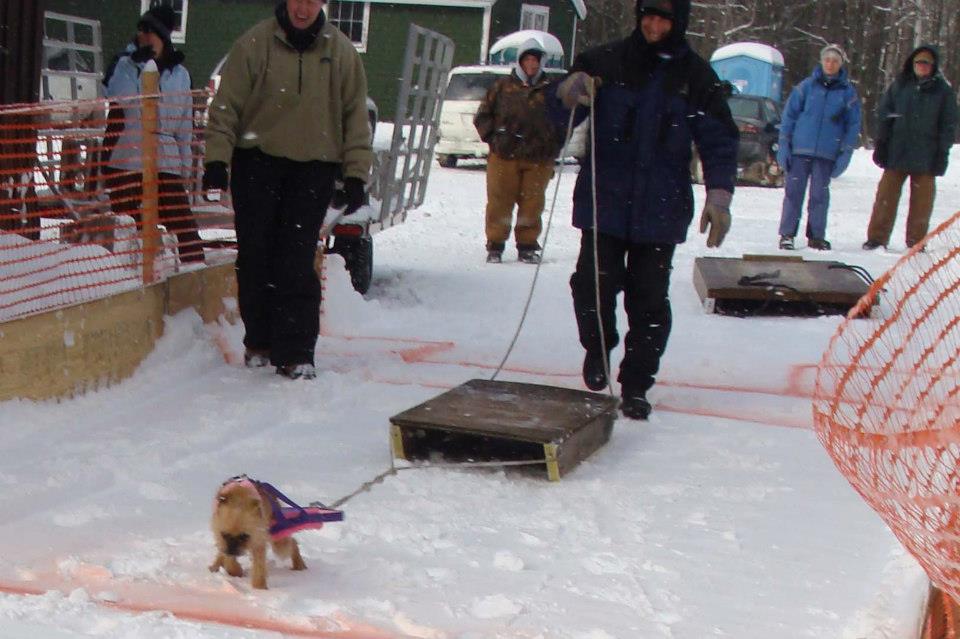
x=241, y=524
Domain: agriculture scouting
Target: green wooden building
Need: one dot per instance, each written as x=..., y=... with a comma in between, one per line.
x=378, y=28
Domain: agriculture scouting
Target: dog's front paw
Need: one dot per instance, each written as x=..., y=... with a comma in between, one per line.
x=259, y=584
x=214, y=567
x=233, y=567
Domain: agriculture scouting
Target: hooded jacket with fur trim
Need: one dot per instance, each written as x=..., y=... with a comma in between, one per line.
x=512, y=119
x=917, y=120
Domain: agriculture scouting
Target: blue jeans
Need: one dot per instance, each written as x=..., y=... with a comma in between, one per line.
x=817, y=172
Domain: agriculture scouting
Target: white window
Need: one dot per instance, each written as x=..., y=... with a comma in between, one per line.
x=534, y=16
x=179, y=35
x=353, y=18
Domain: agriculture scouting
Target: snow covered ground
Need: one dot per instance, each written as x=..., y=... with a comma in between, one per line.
x=720, y=517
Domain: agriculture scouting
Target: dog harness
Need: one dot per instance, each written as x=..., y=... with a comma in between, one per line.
x=291, y=518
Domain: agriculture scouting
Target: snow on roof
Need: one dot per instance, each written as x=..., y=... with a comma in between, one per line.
x=548, y=41
x=756, y=50
x=581, y=8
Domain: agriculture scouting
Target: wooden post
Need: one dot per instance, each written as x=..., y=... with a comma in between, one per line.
x=149, y=126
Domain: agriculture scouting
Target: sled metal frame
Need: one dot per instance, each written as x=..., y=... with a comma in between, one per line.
x=544, y=427
x=400, y=175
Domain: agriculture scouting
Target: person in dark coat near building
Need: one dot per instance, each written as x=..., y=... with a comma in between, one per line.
x=820, y=127
x=291, y=116
x=652, y=96
x=916, y=125
x=524, y=145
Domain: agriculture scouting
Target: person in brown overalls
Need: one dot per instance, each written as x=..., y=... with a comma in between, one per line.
x=524, y=144
x=917, y=122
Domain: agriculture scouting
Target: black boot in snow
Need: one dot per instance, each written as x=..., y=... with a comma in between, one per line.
x=256, y=358
x=529, y=256
x=635, y=406
x=594, y=375
x=529, y=253
x=495, y=252
x=786, y=242
x=297, y=371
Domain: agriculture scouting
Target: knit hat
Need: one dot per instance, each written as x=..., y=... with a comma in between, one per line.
x=159, y=19
x=662, y=8
x=833, y=49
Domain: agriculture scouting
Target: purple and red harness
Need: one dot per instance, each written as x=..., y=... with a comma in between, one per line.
x=289, y=519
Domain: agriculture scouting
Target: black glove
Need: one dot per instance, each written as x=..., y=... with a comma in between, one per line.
x=880, y=154
x=353, y=189
x=940, y=164
x=215, y=176
x=142, y=54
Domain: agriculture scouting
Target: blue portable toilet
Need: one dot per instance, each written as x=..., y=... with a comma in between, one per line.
x=752, y=67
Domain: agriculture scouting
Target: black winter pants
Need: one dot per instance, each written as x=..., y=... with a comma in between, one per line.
x=642, y=272
x=126, y=197
x=279, y=206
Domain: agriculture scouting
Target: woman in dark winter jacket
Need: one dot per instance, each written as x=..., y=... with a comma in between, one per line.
x=174, y=133
x=656, y=97
x=821, y=124
x=916, y=124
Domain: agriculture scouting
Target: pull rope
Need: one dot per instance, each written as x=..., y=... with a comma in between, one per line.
x=596, y=251
x=546, y=235
x=394, y=469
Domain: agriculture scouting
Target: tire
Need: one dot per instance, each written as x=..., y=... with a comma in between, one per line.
x=358, y=255
x=447, y=161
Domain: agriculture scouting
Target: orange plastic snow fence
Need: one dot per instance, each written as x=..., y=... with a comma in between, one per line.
x=886, y=402
x=87, y=212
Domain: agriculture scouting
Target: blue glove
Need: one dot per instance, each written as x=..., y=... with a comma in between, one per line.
x=783, y=158
x=841, y=163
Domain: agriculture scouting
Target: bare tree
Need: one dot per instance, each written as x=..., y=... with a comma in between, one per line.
x=877, y=35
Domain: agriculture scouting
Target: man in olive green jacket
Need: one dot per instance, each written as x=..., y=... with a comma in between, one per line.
x=290, y=116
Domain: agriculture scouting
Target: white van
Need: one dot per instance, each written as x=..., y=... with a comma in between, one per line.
x=465, y=90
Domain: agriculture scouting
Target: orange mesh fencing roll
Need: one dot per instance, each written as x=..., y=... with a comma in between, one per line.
x=71, y=217
x=886, y=403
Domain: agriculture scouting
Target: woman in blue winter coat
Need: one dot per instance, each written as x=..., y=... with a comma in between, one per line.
x=821, y=124
x=124, y=170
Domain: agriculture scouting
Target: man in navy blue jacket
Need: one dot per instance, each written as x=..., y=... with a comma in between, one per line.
x=652, y=96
